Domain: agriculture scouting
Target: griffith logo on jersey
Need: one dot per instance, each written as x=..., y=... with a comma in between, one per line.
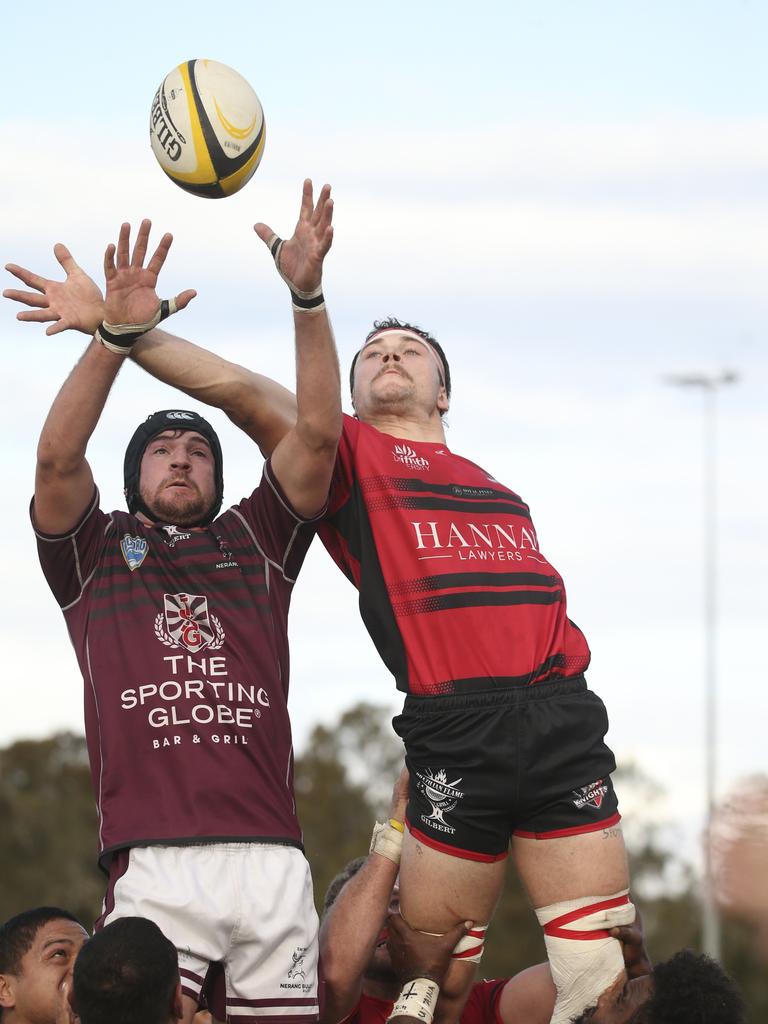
x=134, y=550
x=187, y=623
x=404, y=454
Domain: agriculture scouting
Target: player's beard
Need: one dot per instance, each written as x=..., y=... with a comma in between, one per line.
x=187, y=508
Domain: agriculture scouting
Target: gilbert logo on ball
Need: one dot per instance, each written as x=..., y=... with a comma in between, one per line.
x=207, y=128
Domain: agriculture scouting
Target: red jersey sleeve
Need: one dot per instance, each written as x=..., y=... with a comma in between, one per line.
x=482, y=1007
x=69, y=560
x=344, y=472
x=341, y=519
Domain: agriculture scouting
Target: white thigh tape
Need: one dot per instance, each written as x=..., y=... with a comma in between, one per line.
x=470, y=946
x=583, y=957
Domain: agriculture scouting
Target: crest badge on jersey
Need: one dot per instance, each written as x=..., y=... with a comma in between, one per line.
x=186, y=622
x=134, y=550
x=442, y=795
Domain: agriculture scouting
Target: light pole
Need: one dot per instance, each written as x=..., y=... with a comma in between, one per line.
x=709, y=385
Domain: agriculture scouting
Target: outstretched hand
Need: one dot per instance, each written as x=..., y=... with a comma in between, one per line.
x=131, y=295
x=419, y=955
x=76, y=303
x=302, y=255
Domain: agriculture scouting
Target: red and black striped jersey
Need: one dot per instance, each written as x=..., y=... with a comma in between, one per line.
x=181, y=637
x=454, y=588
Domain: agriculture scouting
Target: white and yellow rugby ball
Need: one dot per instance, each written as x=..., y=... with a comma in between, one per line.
x=207, y=128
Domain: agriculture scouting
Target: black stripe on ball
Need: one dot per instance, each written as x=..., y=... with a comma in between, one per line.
x=222, y=164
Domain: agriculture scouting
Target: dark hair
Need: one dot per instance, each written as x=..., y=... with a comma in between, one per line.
x=689, y=988
x=126, y=974
x=694, y=989
x=392, y=323
x=18, y=933
x=338, y=883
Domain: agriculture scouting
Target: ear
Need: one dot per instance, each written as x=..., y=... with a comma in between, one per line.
x=177, y=1007
x=7, y=992
x=442, y=400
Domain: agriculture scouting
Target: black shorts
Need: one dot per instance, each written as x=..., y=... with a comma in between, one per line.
x=528, y=761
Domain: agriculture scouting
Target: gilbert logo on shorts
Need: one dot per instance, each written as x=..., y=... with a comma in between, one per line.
x=187, y=623
x=441, y=793
x=591, y=795
x=404, y=454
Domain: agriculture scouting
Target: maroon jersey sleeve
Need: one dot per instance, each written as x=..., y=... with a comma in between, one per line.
x=482, y=1007
x=278, y=530
x=69, y=560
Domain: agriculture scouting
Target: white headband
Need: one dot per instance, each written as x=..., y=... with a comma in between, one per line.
x=416, y=337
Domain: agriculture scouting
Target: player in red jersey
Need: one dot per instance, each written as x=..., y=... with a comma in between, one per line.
x=504, y=742
x=369, y=953
x=178, y=617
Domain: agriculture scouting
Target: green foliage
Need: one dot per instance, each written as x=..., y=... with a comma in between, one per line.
x=48, y=841
x=343, y=782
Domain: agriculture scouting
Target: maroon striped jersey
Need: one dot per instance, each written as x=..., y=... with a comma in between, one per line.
x=454, y=588
x=181, y=637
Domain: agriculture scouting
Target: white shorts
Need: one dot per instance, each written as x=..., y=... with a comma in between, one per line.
x=247, y=906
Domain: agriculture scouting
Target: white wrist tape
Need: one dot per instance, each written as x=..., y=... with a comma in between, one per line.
x=303, y=302
x=387, y=841
x=417, y=999
x=120, y=338
x=583, y=957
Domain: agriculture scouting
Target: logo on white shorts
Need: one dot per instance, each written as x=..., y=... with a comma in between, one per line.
x=187, y=623
x=297, y=968
x=441, y=793
x=591, y=795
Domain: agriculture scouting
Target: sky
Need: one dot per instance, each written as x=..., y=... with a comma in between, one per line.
x=571, y=197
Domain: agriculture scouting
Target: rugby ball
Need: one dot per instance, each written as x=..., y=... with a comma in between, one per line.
x=207, y=128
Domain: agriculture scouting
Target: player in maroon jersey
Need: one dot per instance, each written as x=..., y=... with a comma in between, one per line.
x=178, y=617
x=504, y=741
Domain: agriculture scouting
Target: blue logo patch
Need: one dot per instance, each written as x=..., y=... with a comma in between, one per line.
x=134, y=550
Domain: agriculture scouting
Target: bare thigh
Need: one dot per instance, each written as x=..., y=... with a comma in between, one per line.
x=436, y=892
x=571, y=867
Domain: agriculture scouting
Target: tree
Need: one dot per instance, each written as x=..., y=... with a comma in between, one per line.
x=48, y=842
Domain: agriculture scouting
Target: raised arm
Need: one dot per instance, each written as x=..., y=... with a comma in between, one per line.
x=259, y=406
x=354, y=924
x=63, y=478
x=303, y=461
